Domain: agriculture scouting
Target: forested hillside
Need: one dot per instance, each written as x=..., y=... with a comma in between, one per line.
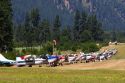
x=110, y=12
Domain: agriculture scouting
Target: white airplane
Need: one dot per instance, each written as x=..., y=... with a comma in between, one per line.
x=29, y=60
x=71, y=58
x=6, y=62
x=80, y=57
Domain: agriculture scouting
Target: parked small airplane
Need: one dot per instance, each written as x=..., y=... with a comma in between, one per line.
x=71, y=58
x=5, y=61
x=29, y=60
x=52, y=58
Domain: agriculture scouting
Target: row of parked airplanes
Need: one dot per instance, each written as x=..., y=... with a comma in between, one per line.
x=54, y=60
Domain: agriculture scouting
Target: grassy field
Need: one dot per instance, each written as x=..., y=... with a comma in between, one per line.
x=53, y=75
x=120, y=48
x=71, y=75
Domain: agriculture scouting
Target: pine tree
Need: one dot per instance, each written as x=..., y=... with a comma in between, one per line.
x=44, y=31
x=97, y=32
x=27, y=27
x=31, y=32
x=35, y=21
x=66, y=34
x=6, y=31
x=27, y=20
x=113, y=36
x=35, y=17
x=95, y=28
x=76, y=29
x=82, y=26
x=56, y=29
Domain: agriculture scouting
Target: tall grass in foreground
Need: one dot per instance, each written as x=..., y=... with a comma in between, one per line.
x=53, y=75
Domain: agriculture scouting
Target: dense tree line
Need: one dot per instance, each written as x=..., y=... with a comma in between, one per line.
x=6, y=31
x=33, y=31
x=87, y=28
x=36, y=32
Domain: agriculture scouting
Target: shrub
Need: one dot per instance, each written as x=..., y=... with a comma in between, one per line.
x=89, y=47
x=93, y=47
x=103, y=44
x=74, y=48
x=47, y=48
x=65, y=46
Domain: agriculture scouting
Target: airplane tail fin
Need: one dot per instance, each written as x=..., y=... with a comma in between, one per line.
x=2, y=58
x=6, y=61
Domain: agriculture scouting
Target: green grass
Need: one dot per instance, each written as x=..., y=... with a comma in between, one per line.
x=53, y=75
x=21, y=48
x=121, y=52
x=120, y=48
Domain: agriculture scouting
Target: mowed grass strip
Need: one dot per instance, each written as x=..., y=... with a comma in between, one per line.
x=53, y=75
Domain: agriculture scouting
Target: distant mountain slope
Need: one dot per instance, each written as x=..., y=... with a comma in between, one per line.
x=47, y=9
x=110, y=12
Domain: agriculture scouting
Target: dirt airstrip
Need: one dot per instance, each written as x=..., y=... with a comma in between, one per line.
x=109, y=64
x=117, y=62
